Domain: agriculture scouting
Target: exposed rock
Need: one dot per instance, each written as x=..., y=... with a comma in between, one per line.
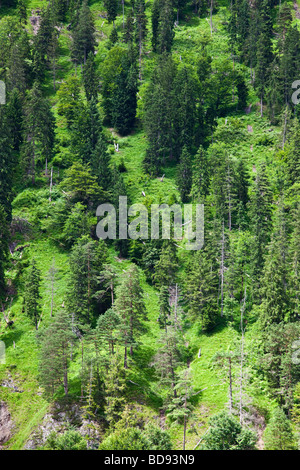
x=58, y=420
x=5, y=424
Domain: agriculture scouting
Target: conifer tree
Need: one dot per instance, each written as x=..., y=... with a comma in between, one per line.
x=260, y=211
x=201, y=290
x=184, y=175
x=90, y=79
x=276, y=304
x=108, y=329
x=55, y=347
x=164, y=307
x=131, y=308
x=4, y=237
x=112, y=10
x=141, y=29
x=167, y=265
x=115, y=386
x=101, y=165
x=155, y=23
x=32, y=293
x=201, y=176
x=166, y=27
x=38, y=131
x=84, y=35
x=86, y=261
x=278, y=434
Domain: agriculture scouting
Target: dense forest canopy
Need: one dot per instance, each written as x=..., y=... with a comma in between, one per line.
x=137, y=343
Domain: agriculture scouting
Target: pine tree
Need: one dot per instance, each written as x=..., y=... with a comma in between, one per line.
x=181, y=408
x=184, y=175
x=141, y=29
x=201, y=176
x=119, y=88
x=86, y=261
x=101, y=165
x=278, y=434
x=112, y=10
x=166, y=27
x=155, y=23
x=264, y=53
x=131, y=308
x=168, y=359
x=276, y=305
x=55, y=347
x=167, y=265
x=4, y=251
x=32, y=293
x=7, y=161
x=38, y=131
x=108, y=329
x=160, y=111
x=201, y=289
x=225, y=433
x=164, y=307
x=115, y=387
x=84, y=35
x=260, y=211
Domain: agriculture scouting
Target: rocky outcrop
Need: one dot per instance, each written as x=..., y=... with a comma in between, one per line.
x=5, y=424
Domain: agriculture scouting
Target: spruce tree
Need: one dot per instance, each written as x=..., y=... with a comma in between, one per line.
x=55, y=347
x=84, y=35
x=131, y=308
x=32, y=293
x=86, y=262
x=166, y=27
x=278, y=434
x=184, y=175
x=4, y=250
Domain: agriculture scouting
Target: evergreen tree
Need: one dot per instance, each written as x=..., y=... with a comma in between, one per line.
x=201, y=176
x=131, y=308
x=7, y=161
x=86, y=261
x=225, y=433
x=264, y=53
x=184, y=175
x=164, y=307
x=201, y=289
x=32, y=293
x=278, y=434
x=155, y=23
x=4, y=251
x=181, y=408
x=119, y=89
x=167, y=265
x=38, y=131
x=84, y=35
x=115, y=387
x=108, y=329
x=276, y=305
x=160, y=111
x=166, y=27
x=101, y=162
x=55, y=347
x=141, y=29
x=260, y=211
x=112, y=10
